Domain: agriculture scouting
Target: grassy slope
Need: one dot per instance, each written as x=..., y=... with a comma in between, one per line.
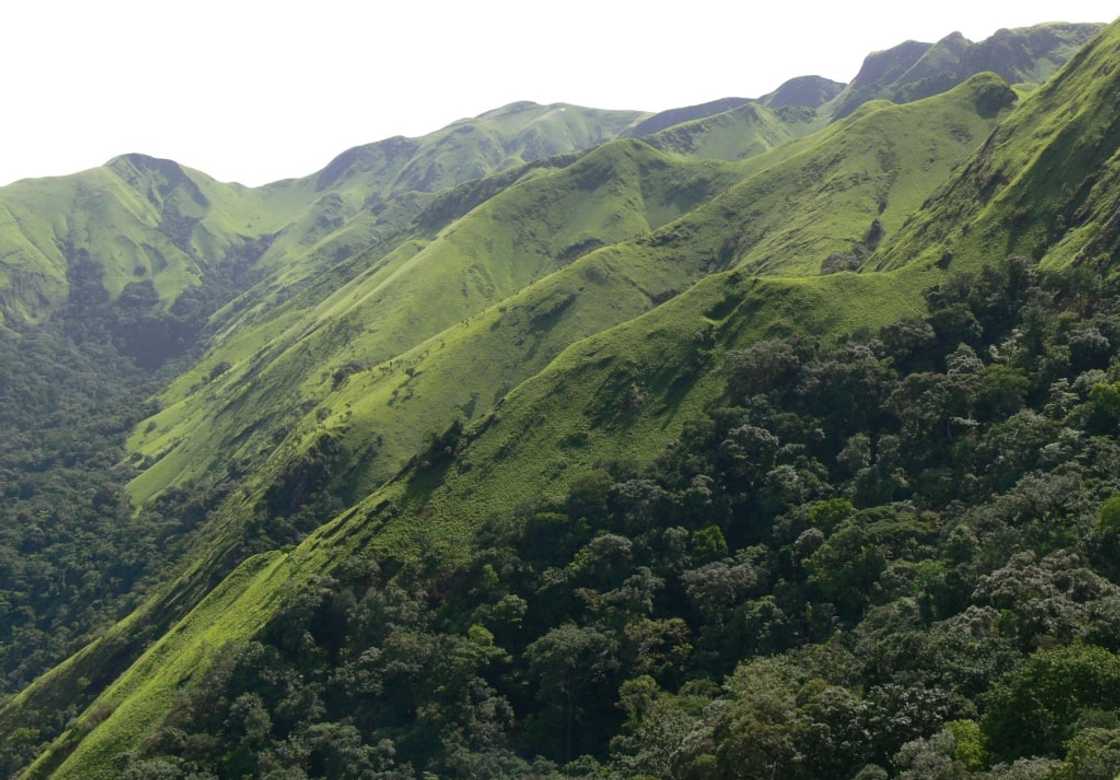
x=908, y=72
x=914, y=70
x=560, y=420
x=370, y=190
x=416, y=367
x=441, y=379
x=820, y=195
x=238, y=607
x=286, y=363
x=804, y=92
x=137, y=218
x=1044, y=185
x=736, y=134
x=140, y=218
x=564, y=415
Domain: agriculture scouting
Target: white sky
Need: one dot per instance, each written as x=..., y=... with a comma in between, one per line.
x=256, y=91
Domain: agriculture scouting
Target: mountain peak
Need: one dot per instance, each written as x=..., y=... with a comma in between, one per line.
x=803, y=91
x=145, y=172
x=145, y=162
x=515, y=107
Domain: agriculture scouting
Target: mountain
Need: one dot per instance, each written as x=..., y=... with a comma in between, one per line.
x=164, y=229
x=735, y=128
x=914, y=70
x=1044, y=184
x=735, y=134
x=676, y=116
x=595, y=435
x=136, y=223
x=803, y=92
x=369, y=328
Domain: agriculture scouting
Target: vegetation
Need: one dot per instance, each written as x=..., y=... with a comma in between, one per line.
x=563, y=442
x=891, y=554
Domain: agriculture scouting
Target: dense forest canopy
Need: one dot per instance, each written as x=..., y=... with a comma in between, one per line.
x=894, y=554
x=759, y=438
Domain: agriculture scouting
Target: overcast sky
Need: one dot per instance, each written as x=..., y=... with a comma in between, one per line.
x=257, y=91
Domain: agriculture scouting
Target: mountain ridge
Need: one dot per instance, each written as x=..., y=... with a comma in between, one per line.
x=606, y=287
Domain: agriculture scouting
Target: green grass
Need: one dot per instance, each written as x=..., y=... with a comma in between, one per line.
x=736, y=134
x=233, y=611
x=512, y=287
x=134, y=219
x=138, y=218
x=285, y=364
x=560, y=355
x=914, y=70
x=820, y=195
x=1043, y=186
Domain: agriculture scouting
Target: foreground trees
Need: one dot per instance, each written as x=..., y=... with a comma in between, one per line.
x=890, y=557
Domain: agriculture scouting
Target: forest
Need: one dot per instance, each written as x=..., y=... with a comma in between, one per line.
x=769, y=437
x=894, y=555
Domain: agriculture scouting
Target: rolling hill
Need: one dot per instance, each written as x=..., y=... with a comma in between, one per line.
x=148, y=222
x=430, y=335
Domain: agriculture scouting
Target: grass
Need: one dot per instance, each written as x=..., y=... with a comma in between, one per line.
x=664, y=222
x=914, y=70
x=374, y=321
x=233, y=611
x=1043, y=186
x=561, y=353
x=139, y=218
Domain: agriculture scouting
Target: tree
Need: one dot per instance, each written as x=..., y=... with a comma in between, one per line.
x=573, y=668
x=1034, y=709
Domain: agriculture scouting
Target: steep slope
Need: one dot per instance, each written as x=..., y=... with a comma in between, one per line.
x=915, y=70
x=735, y=134
x=366, y=325
x=377, y=346
x=1044, y=185
x=822, y=203
x=424, y=390
x=621, y=391
x=465, y=150
x=879, y=71
x=136, y=221
x=676, y=116
x=141, y=222
x=656, y=353
x=803, y=92
x=733, y=129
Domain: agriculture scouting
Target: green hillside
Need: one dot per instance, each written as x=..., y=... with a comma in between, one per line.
x=754, y=439
x=736, y=134
x=1043, y=186
x=803, y=92
x=734, y=128
x=368, y=326
x=676, y=116
x=143, y=223
x=137, y=221
x=385, y=363
x=915, y=70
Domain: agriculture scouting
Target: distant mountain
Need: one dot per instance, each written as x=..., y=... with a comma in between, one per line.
x=803, y=92
x=153, y=225
x=736, y=134
x=389, y=366
x=737, y=128
x=913, y=70
x=1045, y=185
x=676, y=116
